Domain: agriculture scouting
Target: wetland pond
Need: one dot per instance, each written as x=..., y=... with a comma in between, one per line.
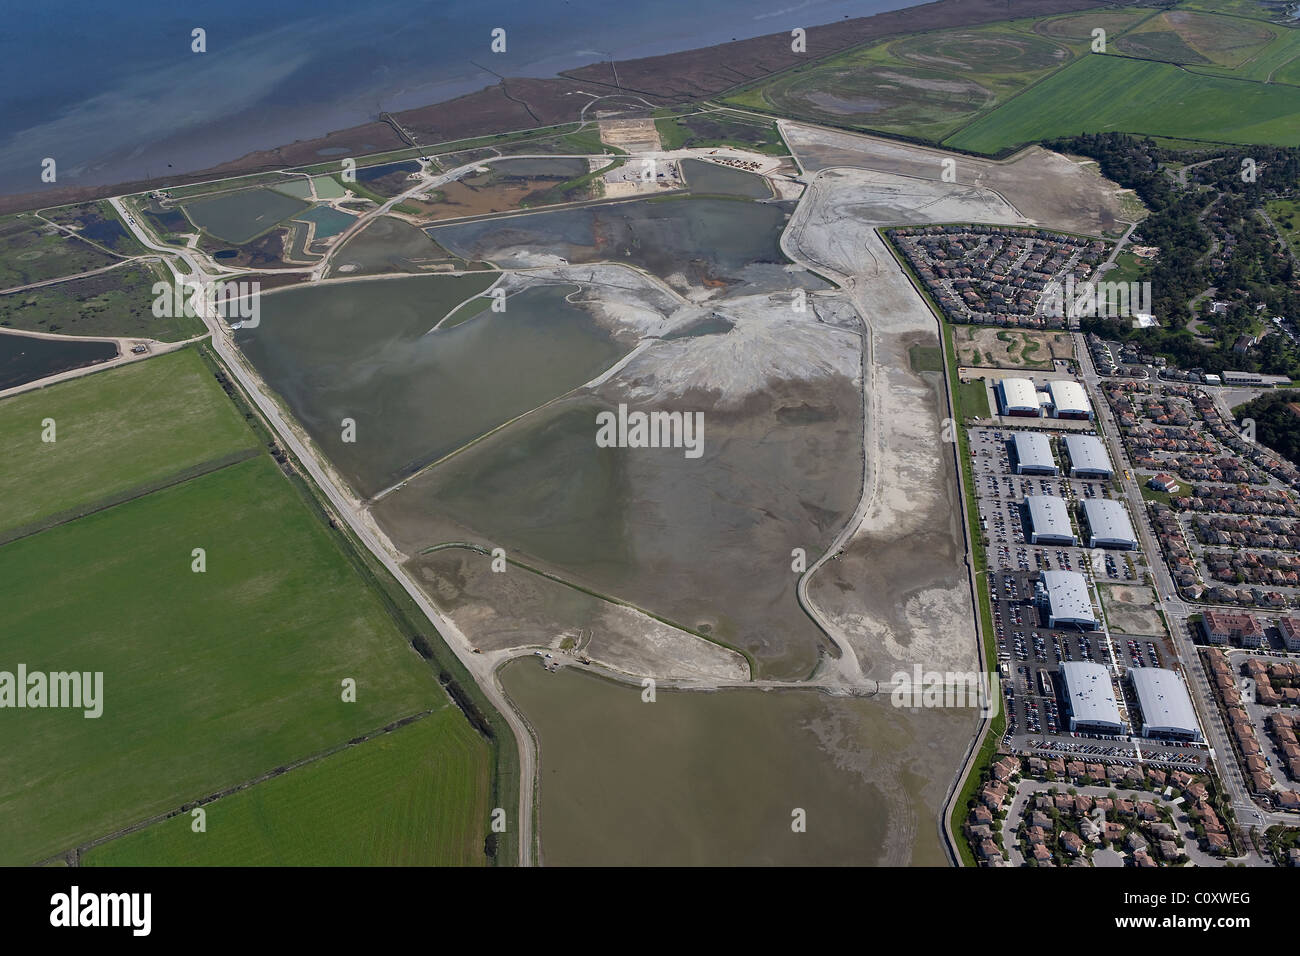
x=365, y=351
x=26, y=358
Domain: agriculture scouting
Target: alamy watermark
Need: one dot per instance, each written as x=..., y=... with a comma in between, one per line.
x=77, y=690
x=651, y=430
x=239, y=302
x=1100, y=299
x=961, y=689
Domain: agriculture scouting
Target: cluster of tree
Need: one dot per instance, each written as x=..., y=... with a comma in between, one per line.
x=1277, y=423
x=1212, y=233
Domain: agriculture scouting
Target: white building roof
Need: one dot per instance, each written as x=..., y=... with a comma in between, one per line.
x=1091, y=694
x=1067, y=596
x=1166, y=706
x=1087, y=453
x=1019, y=393
x=1034, y=450
x=1069, y=396
x=1049, y=515
x=1108, y=520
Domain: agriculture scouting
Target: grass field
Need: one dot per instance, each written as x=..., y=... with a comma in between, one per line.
x=115, y=431
x=1079, y=26
x=116, y=303
x=33, y=251
x=1185, y=36
x=719, y=128
x=1111, y=93
x=925, y=358
x=1286, y=213
x=415, y=797
x=924, y=85
x=209, y=678
x=971, y=399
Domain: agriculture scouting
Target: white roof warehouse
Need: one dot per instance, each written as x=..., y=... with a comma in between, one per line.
x=1090, y=698
x=1166, y=707
x=1066, y=598
x=1018, y=397
x=1069, y=400
x=1088, y=458
x=1034, y=454
x=1108, y=524
x=1049, y=520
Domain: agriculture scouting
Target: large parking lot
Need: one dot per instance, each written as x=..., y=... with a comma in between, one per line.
x=1000, y=494
x=1030, y=652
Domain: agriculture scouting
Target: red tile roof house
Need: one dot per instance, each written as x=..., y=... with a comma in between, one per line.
x=1042, y=855
x=992, y=795
x=1005, y=768
x=1287, y=799
x=1164, y=482
x=1072, y=842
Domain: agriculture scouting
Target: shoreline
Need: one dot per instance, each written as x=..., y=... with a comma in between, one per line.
x=522, y=103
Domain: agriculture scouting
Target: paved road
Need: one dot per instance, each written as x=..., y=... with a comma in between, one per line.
x=483, y=670
x=1176, y=610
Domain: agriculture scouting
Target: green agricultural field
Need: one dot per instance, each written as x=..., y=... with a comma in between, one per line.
x=209, y=679
x=415, y=797
x=1251, y=9
x=116, y=432
x=114, y=303
x=1111, y=93
x=1184, y=36
x=924, y=85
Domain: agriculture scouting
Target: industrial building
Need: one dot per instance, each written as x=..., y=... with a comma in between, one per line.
x=1064, y=597
x=1108, y=524
x=1165, y=704
x=1090, y=698
x=1034, y=454
x=1049, y=520
x=1069, y=400
x=1018, y=397
x=1220, y=627
x=1088, y=458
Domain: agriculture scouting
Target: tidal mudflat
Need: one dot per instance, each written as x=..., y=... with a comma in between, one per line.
x=700, y=247
x=716, y=778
